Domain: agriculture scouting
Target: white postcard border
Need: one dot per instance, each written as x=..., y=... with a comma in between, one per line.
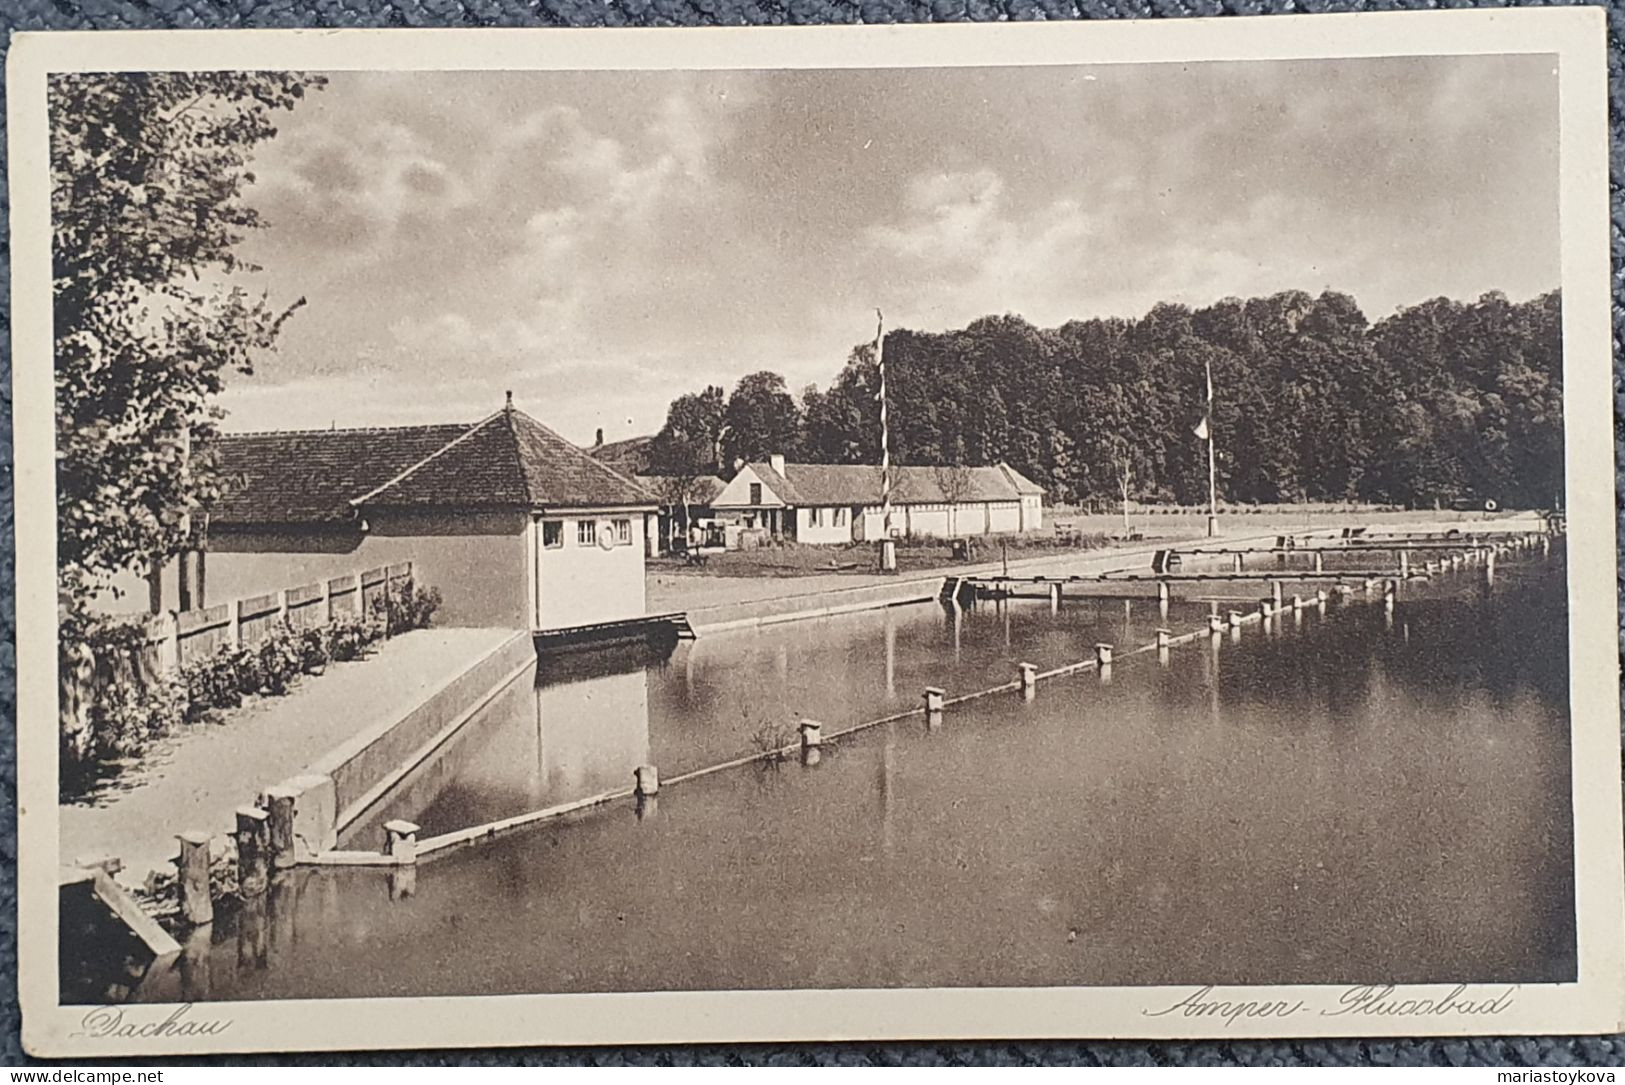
x=1595, y=1004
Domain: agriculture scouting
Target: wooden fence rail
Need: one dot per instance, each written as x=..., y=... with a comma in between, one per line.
x=176, y=638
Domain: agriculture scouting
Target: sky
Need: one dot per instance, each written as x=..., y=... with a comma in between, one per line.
x=600, y=242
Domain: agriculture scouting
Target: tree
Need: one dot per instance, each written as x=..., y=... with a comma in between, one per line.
x=148, y=172
x=687, y=449
x=762, y=419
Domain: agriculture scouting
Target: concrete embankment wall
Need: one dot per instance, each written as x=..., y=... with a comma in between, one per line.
x=367, y=765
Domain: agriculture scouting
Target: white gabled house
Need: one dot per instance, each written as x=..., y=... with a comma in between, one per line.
x=841, y=503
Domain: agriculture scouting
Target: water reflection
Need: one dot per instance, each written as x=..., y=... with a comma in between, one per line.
x=576, y=726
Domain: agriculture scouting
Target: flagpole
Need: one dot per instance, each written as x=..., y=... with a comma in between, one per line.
x=1212, y=474
x=888, y=548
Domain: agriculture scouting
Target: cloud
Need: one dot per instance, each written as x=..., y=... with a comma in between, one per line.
x=608, y=239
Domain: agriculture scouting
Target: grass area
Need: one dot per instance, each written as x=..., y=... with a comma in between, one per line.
x=791, y=559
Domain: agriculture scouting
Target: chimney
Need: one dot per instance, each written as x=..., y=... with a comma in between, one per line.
x=776, y=461
x=508, y=406
x=598, y=439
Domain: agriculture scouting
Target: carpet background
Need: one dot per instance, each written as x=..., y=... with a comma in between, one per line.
x=192, y=14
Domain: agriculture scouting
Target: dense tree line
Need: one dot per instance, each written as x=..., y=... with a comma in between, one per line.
x=1440, y=401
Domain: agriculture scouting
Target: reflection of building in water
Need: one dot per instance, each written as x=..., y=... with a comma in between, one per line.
x=580, y=727
x=590, y=734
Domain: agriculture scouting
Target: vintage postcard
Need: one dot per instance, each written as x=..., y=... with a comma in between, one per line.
x=565, y=537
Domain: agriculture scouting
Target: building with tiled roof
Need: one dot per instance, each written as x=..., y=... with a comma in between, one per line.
x=513, y=524
x=840, y=503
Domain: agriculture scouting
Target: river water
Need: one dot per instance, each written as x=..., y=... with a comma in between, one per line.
x=1338, y=799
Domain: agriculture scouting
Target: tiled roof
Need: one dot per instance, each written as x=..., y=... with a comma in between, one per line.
x=509, y=460
x=309, y=476
x=842, y=484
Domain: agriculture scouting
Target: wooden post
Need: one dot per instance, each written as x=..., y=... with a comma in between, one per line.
x=183, y=580
x=1237, y=562
x=1404, y=563
x=1103, y=655
x=234, y=622
x=279, y=805
x=1297, y=603
x=282, y=604
x=1054, y=597
x=1320, y=561
x=401, y=841
x=253, y=846
x=360, y=599
x=169, y=655
x=1215, y=624
x=1264, y=611
x=1029, y=680
x=197, y=903
x=327, y=601
x=646, y=781
x=1320, y=598
x=1164, y=637
x=202, y=599
x=1163, y=593
x=1233, y=619
x=1275, y=594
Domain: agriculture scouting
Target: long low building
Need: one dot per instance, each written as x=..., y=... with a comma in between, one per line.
x=841, y=503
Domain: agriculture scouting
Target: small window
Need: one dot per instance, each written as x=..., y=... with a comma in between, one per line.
x=815, y=517
x=552, y=534
x=623, y=532
x=840, y=517
x=756, y=493
x=586, y=532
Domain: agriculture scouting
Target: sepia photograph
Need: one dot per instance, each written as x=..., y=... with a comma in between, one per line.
x=877, y=536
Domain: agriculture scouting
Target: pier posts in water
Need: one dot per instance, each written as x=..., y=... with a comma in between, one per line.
x=1404, y=563
x=1164, y=641
x=197, y=904
x=401, y=841
x=1163, y=593
x=279, y=805
x=1233, y=619
x=1275, y=594
x=253, y=850
x=645, y=781
x=1320, y=561
x=1029, y=680
x=812, y=739
x=1265, y=609
x=1054, y=596
x=1320, y=598
x=1215, y=625
x=1297, y=603
x=933, y=707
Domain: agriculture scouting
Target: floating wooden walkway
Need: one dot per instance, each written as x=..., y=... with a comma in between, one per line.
x=652, y=627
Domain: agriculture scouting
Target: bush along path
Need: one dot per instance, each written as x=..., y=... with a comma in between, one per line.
x=130, y=705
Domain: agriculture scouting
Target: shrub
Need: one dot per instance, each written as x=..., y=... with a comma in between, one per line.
x=315, y=648
x=279, y=659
